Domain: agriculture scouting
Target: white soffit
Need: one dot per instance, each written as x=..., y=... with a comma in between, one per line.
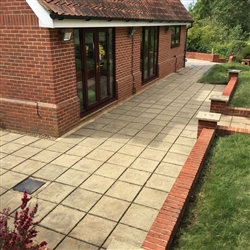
x=47, y=22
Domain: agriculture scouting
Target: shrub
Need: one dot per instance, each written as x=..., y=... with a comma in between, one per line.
x=229, y=49
x=244, y=54
x=236, y=47
x=222, y=49
x=24, y=228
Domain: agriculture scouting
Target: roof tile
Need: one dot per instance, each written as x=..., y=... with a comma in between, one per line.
x=155, y=10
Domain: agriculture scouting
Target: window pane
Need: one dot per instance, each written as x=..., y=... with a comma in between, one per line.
x=175, y=40
x=90, y=67
x=111, y=64
x=146, y=52
x=103, y=64
x=78, y=61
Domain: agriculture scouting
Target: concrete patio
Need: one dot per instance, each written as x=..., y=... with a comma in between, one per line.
x=108, y=179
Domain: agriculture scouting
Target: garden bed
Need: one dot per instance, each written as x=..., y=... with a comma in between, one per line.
x=237, y=90
x=218, y=218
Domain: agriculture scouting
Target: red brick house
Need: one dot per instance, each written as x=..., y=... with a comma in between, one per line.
x=114, y=49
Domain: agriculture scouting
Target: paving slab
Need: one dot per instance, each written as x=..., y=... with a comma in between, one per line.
x=98, y=230
x=72, y=177
x=98, y=184
x=160, y=182
x=28, y=167
x=124, y=190
x=143, y=221
x=46, y=173
x=82, y=199
x=11, y=179
x=110, y=208
x=62, y=219
x=10, y=148
x=114, y=244
x=55, y=192
x=10, y=161
x=156, y=200
x=87, y=165
x=70, y=243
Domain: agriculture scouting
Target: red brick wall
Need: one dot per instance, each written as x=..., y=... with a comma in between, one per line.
x=123, y=47
x=207, y=57
x=36, y=67
x=167, y=60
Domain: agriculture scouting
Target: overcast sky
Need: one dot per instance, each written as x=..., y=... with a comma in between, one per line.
x=187, y=2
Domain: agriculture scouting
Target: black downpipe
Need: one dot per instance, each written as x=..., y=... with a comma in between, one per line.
x=185, y=48
x=175, y=64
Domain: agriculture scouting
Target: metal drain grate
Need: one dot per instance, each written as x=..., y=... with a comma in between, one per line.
x=29, y=185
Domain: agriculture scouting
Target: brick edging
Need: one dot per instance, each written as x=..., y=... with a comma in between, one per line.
x=162, y=231
x=224, y=130
x=205, y=56
x=236, y=111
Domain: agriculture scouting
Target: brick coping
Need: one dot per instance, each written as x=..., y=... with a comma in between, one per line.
x=164, y=227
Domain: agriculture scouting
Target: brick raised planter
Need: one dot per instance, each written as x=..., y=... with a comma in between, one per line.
x=219, y=104
x=163, y=229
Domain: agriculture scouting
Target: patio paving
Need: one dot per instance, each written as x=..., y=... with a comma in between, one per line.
x=108, y=179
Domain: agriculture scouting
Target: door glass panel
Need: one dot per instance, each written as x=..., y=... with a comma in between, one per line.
x=155, y=49
x=78, y=60
x=151, y=52
x=142, y=52
x=103, y=67
x=146, y=54
x=90, y=68
x=94, y=66
x=111, y=63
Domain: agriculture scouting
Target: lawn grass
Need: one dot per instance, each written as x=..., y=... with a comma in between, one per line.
x=218, y=219
x=218, y=75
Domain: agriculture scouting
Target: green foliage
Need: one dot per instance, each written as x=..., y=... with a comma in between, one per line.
x=236, y=47
x=223, y=26
x=232, y=13
x=201, y=38
x=228, y=49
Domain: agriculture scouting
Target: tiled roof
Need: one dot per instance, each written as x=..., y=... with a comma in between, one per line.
x=152, y=10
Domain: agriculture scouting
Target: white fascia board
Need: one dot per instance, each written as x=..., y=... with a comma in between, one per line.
x=47, y=22
x=42, y=14
x=81, y=23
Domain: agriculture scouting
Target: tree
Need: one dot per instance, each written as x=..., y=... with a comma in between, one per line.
x=220, y=25
x=231, y=13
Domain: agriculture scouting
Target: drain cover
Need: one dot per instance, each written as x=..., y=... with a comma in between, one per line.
x=29, y=185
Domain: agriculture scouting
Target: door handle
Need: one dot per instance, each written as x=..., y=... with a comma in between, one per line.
x=97, y=67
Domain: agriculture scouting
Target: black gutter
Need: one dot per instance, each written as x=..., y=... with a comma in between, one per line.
x=54, y=15
x=185, y=48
